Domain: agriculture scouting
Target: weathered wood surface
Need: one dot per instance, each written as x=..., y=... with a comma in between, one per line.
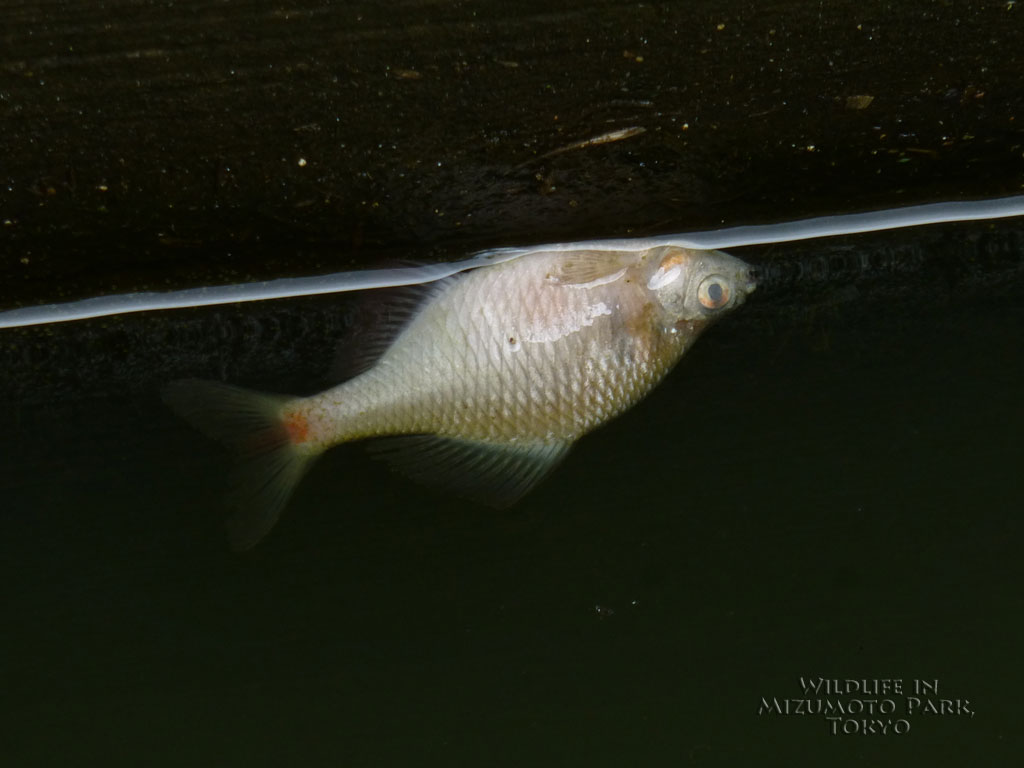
x=145, y=144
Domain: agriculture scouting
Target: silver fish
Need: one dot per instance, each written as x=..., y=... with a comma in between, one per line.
x=490, y=380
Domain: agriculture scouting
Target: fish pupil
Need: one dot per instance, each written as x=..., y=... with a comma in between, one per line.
x=715, y=292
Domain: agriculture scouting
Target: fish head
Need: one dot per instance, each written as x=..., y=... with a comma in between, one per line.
x=697, y=286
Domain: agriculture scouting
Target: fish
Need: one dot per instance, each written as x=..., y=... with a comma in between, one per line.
x=485, y=383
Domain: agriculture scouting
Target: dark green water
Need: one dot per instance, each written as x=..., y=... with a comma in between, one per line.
x=814, y=492
x=828, y=485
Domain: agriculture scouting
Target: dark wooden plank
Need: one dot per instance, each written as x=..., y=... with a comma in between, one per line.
x=148, y=143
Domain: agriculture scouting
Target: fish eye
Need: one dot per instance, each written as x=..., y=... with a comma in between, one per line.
x=713, y=292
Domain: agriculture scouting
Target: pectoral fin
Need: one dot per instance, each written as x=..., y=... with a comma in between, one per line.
x=496, y=474
x=592, y=267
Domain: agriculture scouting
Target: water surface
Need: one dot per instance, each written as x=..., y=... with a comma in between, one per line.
x=820, y=488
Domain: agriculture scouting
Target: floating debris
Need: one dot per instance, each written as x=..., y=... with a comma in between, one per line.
x=859, y=102
x=604, y=138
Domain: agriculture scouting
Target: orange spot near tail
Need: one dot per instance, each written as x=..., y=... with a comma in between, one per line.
x=297, y=427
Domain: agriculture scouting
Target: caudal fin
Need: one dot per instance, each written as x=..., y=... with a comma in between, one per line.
x=249, y=423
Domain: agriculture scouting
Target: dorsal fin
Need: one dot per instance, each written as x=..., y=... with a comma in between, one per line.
x=493, y=473
x=380, y=316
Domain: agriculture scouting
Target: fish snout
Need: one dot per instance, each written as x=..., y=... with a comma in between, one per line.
x=746, y=283
x=748, y=280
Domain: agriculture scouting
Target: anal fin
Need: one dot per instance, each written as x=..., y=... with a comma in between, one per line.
x=494, y=473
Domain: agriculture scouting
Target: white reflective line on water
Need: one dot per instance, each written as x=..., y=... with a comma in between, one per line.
x=822, y=226
x=339, y=282
x=283, y=288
